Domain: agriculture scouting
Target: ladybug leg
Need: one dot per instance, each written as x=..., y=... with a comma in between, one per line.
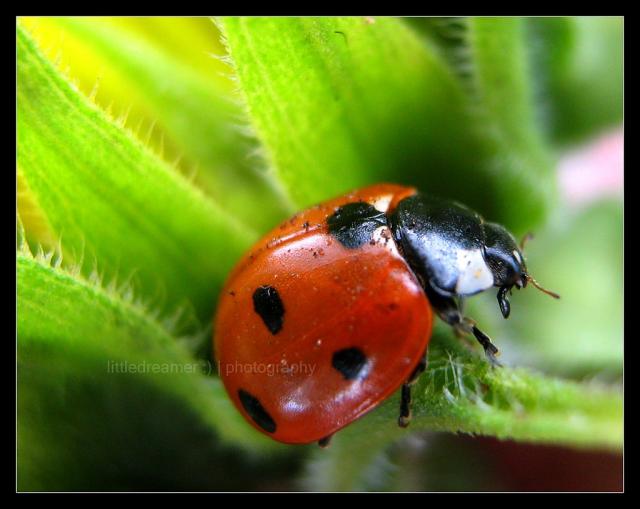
x=449, y=311
x=405, y=398
x=405, y=406
x=325, y=442
x=490, y=350
x=422, y=365
x=465, y=325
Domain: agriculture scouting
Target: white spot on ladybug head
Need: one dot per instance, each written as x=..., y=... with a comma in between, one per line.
x=382, y=203
x=474, y=273
x=517, y=256
x=382, y=237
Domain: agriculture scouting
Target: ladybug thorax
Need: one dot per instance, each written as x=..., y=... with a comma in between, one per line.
x=444, y=243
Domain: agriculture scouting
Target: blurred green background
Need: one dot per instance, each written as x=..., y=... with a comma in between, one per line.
x=153, y=151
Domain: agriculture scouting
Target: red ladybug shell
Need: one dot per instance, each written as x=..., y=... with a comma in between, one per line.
x=311, y=334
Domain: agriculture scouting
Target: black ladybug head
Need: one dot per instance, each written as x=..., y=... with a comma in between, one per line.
x=504, y=257
x=506, y=261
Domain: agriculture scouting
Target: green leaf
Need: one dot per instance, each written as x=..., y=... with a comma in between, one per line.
x=100, y=380
x=112, y=200
x=373, y=103
x=459, y=392
x=574, y=68
x=502, y=89
x=578, y=71
x=195, y=111
x=36, y=228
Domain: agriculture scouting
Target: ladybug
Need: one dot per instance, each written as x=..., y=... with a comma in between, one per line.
x=331, y=312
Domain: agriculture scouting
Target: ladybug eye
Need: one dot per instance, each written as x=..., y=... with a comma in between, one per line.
x=517, y=256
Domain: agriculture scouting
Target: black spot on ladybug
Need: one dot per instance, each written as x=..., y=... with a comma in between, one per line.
x=256, y=411
x=268, y=304
x=353, y=224
x=232, y=293
x=349, y=362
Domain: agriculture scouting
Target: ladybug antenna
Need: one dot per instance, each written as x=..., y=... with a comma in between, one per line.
x=527, y=237
x=543, y=290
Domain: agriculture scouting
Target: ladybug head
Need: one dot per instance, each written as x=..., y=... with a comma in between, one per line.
x=504, y=257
